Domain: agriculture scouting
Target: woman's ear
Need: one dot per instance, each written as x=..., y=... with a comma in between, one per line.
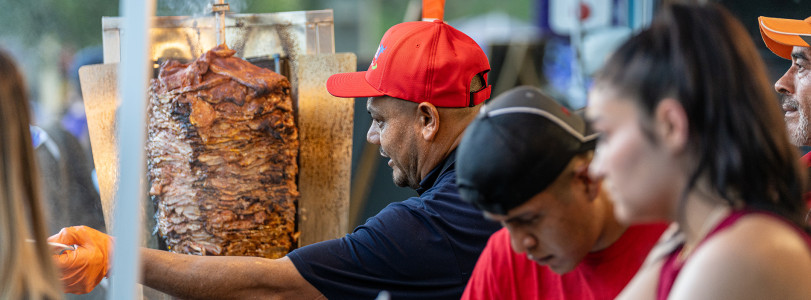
x=672, y=125
x=428, y=118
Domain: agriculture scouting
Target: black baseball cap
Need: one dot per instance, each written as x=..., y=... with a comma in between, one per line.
x=516, y=147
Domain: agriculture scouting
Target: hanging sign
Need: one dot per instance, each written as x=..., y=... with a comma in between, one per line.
x=564, y=15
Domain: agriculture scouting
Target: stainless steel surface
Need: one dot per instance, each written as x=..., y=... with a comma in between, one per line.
x=56, y=248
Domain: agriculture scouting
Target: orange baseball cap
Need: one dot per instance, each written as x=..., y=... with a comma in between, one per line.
x=781, y=35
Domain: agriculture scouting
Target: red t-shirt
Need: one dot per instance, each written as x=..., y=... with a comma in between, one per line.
x=806, y=159
x=501, y=273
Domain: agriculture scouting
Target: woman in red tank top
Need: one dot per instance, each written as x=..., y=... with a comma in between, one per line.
x=692, y=135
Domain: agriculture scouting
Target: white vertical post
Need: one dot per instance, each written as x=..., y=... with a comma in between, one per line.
x=577, y=89
x=133, y=74
x=641, y=13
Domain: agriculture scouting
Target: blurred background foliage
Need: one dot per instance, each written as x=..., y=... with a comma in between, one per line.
x=74, y=24
x=77, y=24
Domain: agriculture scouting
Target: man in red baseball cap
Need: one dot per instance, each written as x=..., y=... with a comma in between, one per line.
x=424, y=86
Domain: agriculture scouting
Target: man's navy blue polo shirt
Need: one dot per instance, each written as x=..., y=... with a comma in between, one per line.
x=422, y=248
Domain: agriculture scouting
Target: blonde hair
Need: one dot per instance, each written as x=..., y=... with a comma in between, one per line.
x=26, y=269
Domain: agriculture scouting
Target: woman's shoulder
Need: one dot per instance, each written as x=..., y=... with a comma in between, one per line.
x=758, y=235
x=758, y=256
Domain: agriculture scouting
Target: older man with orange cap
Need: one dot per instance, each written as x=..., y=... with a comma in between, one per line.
x=424, y=87
x=790, y=39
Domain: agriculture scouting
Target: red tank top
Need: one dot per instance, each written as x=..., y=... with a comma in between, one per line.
x=807, y=160
x=672, y=266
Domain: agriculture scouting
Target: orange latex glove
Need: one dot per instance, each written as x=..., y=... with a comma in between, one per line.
x=83, y=268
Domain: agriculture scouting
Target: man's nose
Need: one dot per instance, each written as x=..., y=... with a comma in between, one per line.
x=372, y=135
x=785, y=85
x=521, y=241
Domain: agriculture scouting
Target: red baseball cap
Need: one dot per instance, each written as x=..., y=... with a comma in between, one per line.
x=420, y=62
x=781, y=35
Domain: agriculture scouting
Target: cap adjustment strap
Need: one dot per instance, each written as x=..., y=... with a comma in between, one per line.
x=479, y=96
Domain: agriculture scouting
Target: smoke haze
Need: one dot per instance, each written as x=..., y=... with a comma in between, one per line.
x=193, y=7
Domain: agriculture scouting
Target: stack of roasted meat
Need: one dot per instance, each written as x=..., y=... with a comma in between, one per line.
x=222, y=148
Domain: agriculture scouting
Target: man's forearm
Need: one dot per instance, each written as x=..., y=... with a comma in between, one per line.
x=224, y=277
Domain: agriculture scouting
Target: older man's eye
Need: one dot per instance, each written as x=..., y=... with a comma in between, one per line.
x=800, y=64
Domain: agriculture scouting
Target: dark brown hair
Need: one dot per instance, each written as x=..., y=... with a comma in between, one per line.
x=703, y=57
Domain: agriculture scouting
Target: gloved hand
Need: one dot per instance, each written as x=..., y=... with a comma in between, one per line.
x=83, y=268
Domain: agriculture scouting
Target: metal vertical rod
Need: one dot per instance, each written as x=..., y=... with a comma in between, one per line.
x=133, y=74
x=221, y=25
x=277, y=63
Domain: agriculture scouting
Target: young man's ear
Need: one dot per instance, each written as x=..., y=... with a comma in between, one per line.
x=671, y=125
x=428, y=116
x=581, y=174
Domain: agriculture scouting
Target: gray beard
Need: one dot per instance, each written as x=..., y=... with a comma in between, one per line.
x=799, y=136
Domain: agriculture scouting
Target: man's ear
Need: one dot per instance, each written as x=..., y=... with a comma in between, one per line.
x=581, y=174
x=428, y=118
x=672, y=126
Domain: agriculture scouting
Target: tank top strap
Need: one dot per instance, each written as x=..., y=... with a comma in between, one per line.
x=672, y=265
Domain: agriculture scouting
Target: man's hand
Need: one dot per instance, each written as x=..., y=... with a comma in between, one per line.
x=83, y=268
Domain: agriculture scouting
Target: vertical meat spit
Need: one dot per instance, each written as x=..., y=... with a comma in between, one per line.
x=219, y=10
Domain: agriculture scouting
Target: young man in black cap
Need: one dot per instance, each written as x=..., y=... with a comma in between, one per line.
x=524, y=161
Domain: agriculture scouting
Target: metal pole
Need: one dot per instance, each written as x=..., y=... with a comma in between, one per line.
x=219, y=8
x=221, y=25
x=577, y=89
x=133, y=74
